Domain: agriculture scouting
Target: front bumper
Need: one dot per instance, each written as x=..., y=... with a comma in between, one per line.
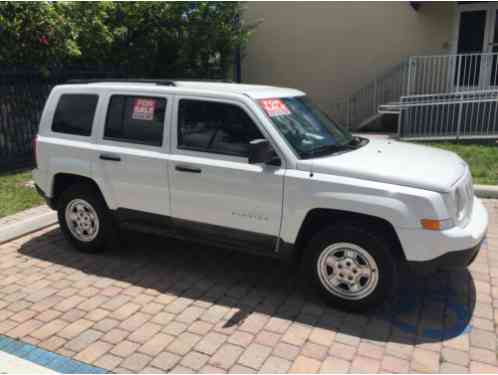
x=422, y=246
x=452, y=260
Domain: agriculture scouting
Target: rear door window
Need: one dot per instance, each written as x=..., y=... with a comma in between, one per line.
x=74, y=114
x=136, y=119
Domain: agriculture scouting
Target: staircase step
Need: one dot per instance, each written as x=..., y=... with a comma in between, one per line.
x=390, y=108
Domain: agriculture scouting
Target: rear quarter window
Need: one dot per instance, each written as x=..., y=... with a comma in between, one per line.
x=74, y=114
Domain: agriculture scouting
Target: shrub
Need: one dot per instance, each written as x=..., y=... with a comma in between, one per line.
x=156, y=39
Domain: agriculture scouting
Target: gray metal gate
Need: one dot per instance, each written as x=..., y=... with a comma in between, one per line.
x=459, y=115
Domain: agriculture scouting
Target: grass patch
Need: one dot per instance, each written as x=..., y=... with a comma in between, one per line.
x=482, y=159
x=14, y=195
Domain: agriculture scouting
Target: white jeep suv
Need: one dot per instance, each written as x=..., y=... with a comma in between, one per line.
x=254, y=168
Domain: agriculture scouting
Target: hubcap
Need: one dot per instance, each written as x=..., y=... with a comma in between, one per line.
x=348, y=271
x=82, y=220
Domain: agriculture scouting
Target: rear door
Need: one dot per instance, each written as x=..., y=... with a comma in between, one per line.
x=214, y=189
x=131, y=161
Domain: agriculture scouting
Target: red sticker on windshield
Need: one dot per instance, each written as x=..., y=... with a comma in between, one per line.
x=143, y=109
x=274, y=107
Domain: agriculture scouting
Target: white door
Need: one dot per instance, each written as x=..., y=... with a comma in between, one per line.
x=477, y=40
x=214, y=190
x=131, y=159
x=492, y=46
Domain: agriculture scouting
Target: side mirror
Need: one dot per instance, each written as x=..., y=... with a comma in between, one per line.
x=260, y=151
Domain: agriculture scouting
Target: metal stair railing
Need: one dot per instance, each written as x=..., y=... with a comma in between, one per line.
x=362, y=106
x=417, y=75
x=438, y=74
x=457, y=115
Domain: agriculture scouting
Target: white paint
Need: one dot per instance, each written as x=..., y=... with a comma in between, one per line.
x=10, y=364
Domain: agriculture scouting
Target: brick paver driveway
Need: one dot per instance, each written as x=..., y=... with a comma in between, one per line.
x=164, y=305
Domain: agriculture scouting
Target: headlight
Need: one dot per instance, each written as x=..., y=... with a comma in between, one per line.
x=460, y=204
x=464, y=200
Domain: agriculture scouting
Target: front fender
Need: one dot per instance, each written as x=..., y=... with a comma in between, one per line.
x=401, y=206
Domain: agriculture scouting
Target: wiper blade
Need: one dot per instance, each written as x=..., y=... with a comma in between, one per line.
x=325, y=149
x=357, y=141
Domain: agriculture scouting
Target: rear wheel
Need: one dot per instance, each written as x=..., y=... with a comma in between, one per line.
x=85, y=219
x=352, y=267
x=82, y=220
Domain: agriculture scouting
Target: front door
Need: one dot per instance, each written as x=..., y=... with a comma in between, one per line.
x=215, y=192
x=477, y=45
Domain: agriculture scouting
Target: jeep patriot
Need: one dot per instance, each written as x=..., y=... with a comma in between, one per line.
x=258, y=169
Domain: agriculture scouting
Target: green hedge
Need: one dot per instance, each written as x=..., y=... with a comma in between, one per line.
x=156, y=39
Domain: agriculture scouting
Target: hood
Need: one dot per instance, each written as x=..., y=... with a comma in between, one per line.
x=394, y=162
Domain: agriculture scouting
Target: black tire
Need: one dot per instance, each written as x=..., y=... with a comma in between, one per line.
x=381, y=250
x=107, y=233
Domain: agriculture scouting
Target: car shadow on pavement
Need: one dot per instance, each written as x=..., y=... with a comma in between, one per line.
x=426, y=310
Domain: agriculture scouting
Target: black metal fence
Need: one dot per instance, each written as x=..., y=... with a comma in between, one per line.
x=23, y=92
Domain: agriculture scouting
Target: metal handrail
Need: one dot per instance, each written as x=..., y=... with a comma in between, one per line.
x=436, y=74
x=458, y=115
x=458, y=54
x=418, y=75
x=363, y=103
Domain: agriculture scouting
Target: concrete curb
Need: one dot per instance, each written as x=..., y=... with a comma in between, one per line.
x=486, y=191
x=23, y=227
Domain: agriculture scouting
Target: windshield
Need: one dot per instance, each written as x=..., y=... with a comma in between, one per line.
x=308, y=130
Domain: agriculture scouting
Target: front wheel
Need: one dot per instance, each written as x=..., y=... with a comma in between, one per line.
x=354, y=268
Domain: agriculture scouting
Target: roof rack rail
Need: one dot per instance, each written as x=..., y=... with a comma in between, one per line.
x=207, y=80
x=163, y=82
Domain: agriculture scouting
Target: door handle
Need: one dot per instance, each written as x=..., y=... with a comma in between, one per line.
x=110, y=157
x=180, y=168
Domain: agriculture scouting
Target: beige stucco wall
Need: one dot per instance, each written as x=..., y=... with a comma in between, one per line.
x=331, y=49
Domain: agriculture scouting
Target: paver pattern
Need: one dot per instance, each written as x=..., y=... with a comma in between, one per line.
x=160, y=305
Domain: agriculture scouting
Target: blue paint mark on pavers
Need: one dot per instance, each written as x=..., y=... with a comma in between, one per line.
x=409, y=302
x=34, y=355
x=53, y=361
x=484, y=242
